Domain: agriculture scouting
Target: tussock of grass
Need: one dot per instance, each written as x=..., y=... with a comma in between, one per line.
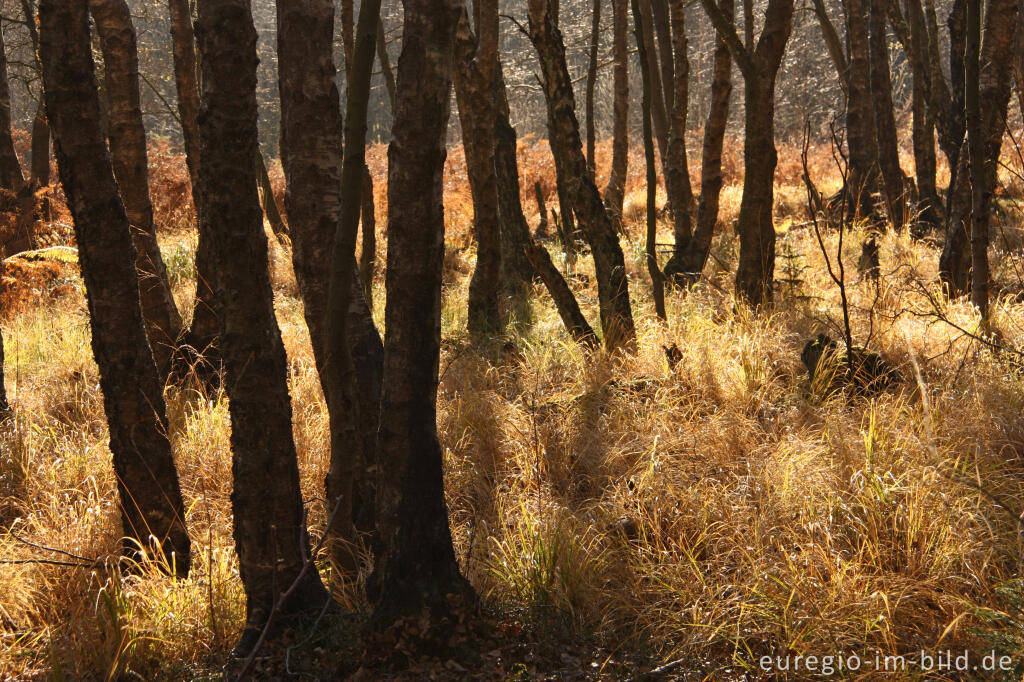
x=721, y=509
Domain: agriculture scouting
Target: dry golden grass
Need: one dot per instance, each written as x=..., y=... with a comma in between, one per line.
x=716, y=511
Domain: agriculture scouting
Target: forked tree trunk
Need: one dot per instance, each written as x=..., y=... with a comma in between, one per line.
x=416, y=566
x=201, y=336
x=475, y=71
x=760, y=66
x=11, y=177
x=368, y=255
x=269, y=524
x=677, y=171
x=657, y=284
x=614, y=192
x=609, y=264
x=690, y=265
x=353, y=349
x=885, y=120
x=150, y=497
x=127, y=137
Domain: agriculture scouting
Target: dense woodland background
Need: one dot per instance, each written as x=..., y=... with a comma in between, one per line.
x=357, y=361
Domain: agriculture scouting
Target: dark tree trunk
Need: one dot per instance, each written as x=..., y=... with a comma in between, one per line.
x=353, y=348
x=657, y=283
x=40, y=149
x=475, y=71
x=202, y=333
x=994, y=84
x=939, y=97
x=269, y=523
x=11, y=177
x=885, y=120
x=267, y=201
x=151, y=503
x=923, y=116
x=40, y=169
x=595, y=41
x=516, y=270
x=416, y=566
x=677, y=172
x=131, y=170
x=760, y=66
x=659, y=114
x=955, y=259
x=609, y=264
x=5, y=407
x=565, y=302
x=385, y=63
x=834, y=46
x=368, y=226
x=966, y=225
x=691, y=264
x=614, y=192
x=864, y=178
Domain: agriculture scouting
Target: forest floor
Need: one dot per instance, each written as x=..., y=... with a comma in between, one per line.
x=616, y=514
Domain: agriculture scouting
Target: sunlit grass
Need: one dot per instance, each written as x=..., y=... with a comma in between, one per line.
x=720, y=509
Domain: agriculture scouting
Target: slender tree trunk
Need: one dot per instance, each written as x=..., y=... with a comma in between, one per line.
x=565, y=302
x=267, y=201
x=416, y=567
x=385, y=63
x=955, y=259
x=352, y=342
x=475, y=71
x=691, y=264
x=994, y=84
x=834, y=46
x=614, y=193
x=659, y=113
x=11, y=177
x=885, y=120
x=151, y=503
x=609, y=264
x=269, y=523
x=131, y=170
x=516, y=269
x=40, y=149
x=368, y=252
x=202, y=333
x=657, y=284
x=677, y=171
x=976, y=155
x=923, y=116
x=861, y=132
x=939, y=97
x=5, y=407
x=595, y=41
